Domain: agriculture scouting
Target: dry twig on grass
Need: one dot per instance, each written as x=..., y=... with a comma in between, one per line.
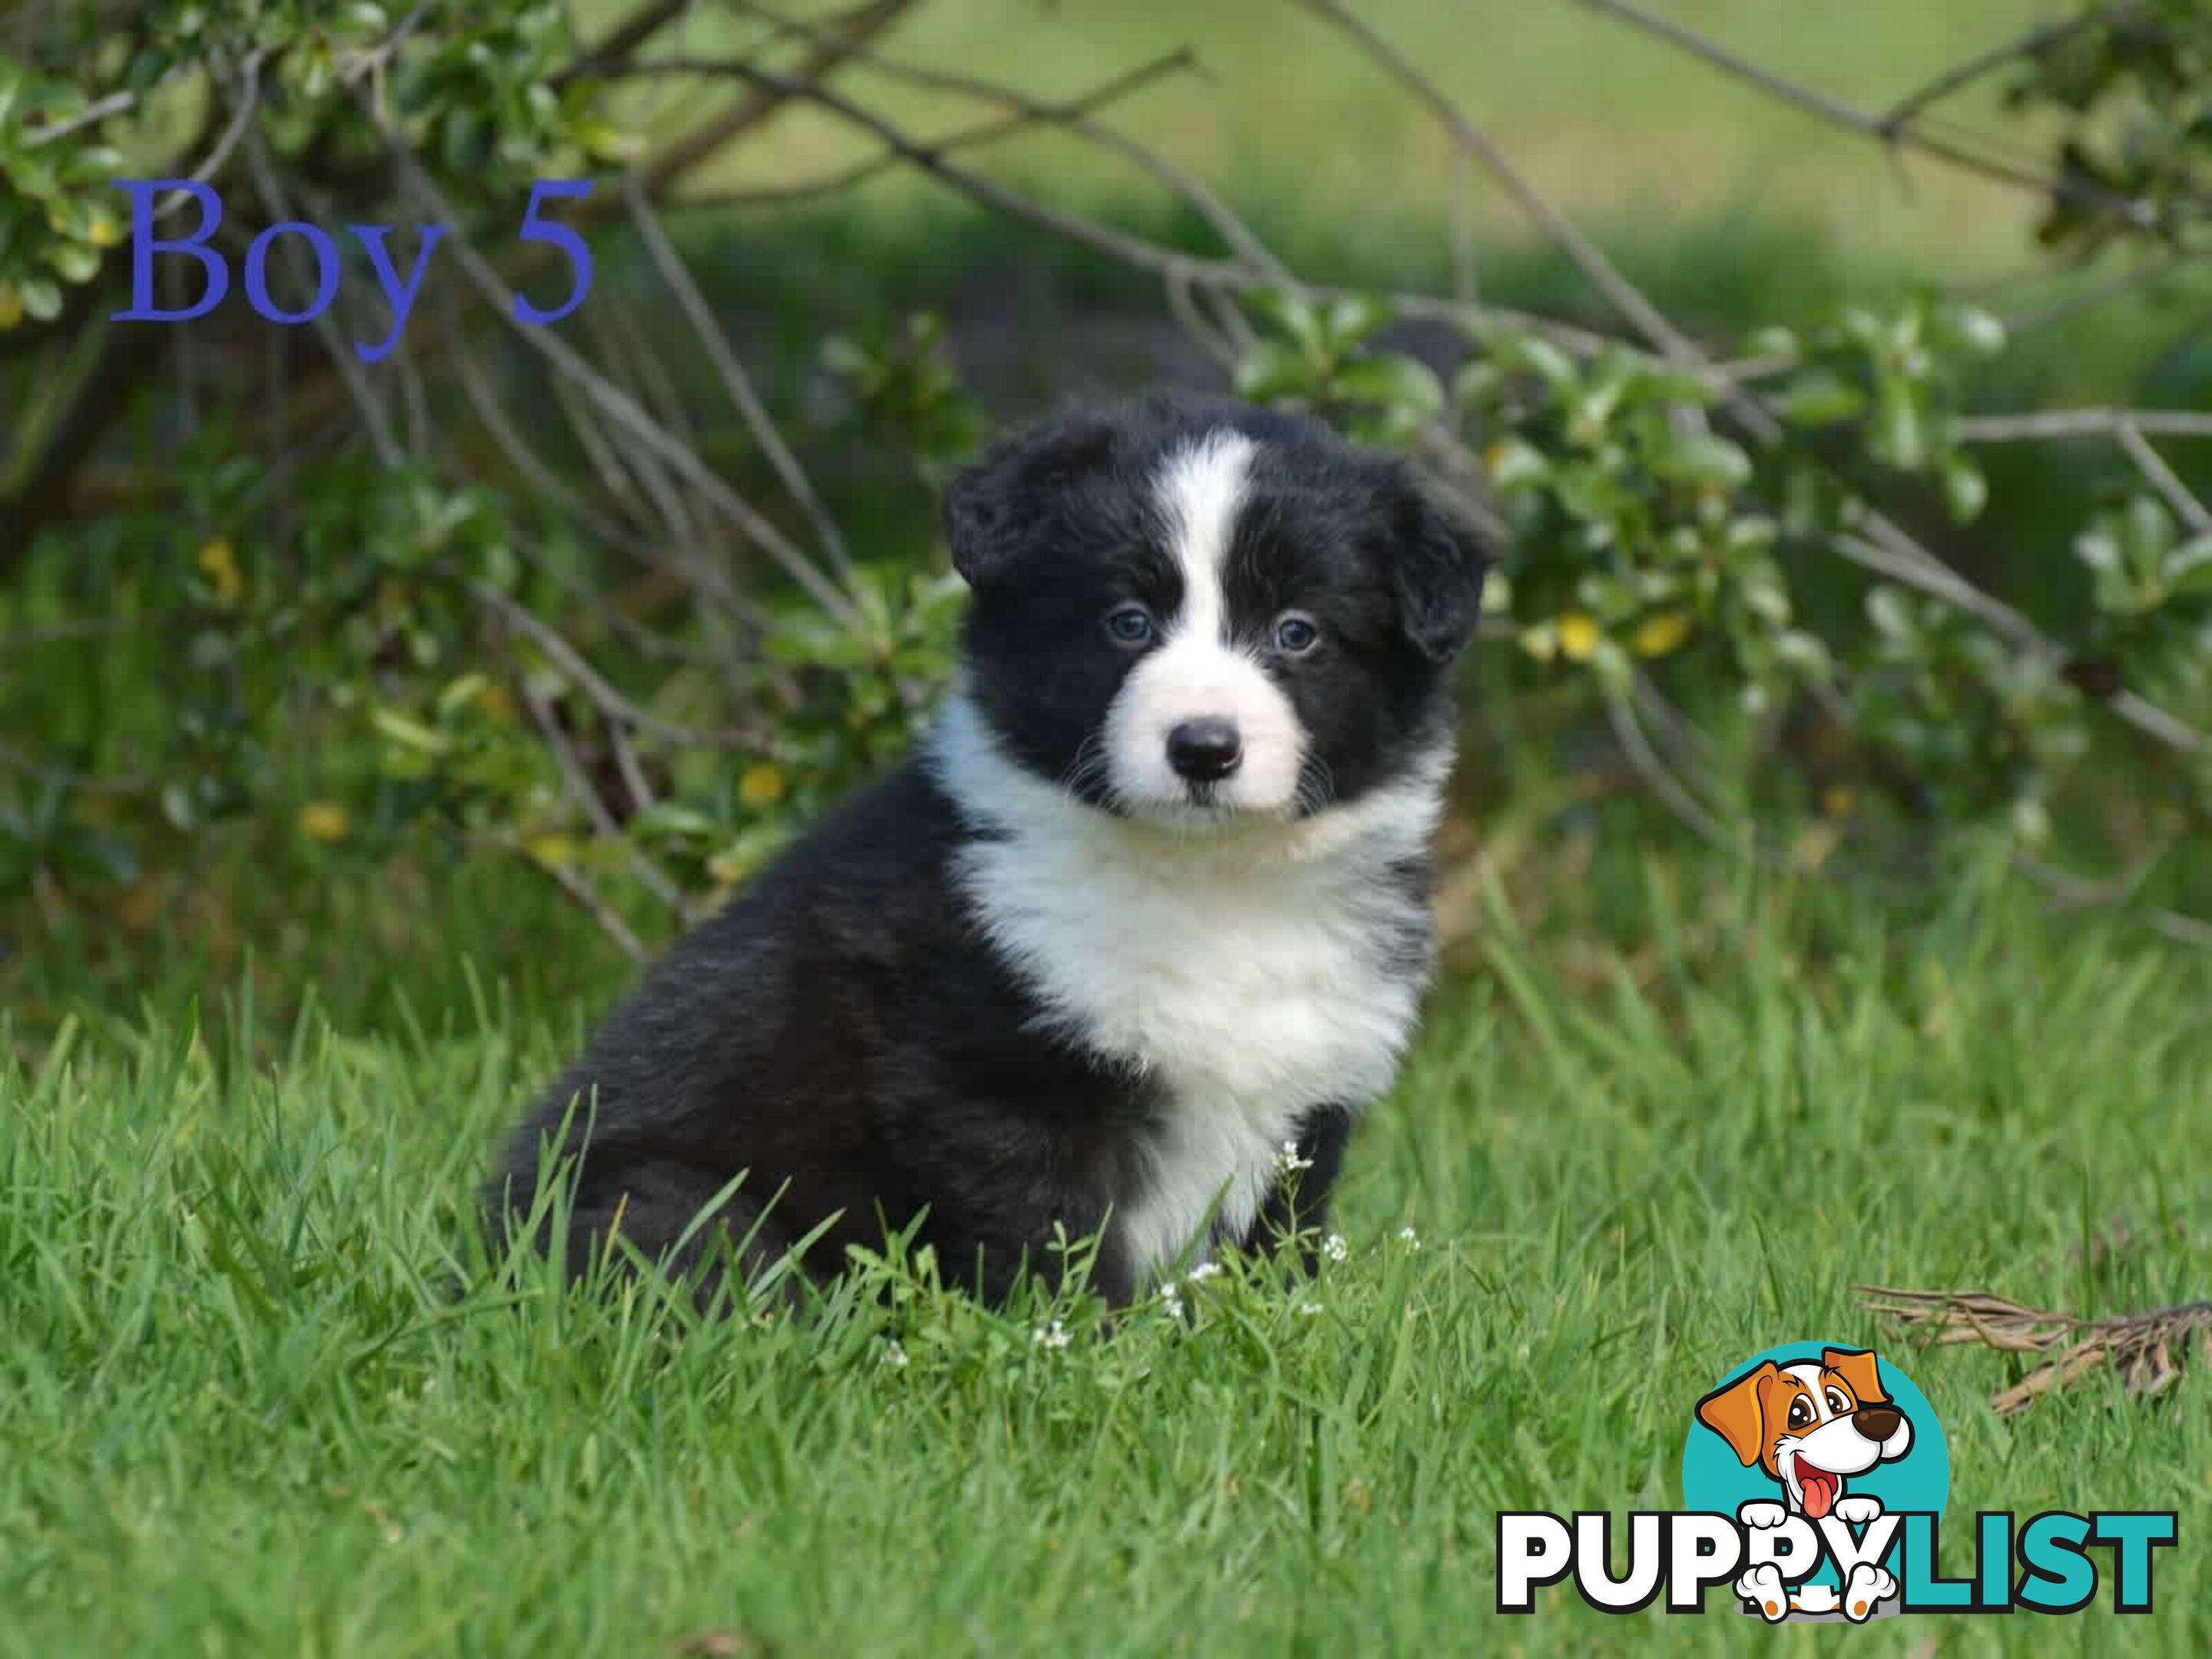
x=2148, y=1349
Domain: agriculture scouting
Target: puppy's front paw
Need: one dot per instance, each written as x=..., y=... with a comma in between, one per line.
x=1761, y=1514
x=1762, y=1587
x=1857, y=1511
x=1868, y=1587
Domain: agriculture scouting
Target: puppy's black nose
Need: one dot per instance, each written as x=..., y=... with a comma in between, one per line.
x=1205, y=751
x=1877, y=1422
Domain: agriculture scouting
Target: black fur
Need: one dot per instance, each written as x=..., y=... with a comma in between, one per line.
x=844, y=1036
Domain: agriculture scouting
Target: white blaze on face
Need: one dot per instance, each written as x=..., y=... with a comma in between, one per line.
x=1194, y=672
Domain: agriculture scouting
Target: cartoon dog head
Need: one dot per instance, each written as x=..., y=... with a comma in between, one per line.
x=1810, y=1427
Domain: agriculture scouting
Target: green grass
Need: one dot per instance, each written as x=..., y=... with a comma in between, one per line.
x=243, y=1410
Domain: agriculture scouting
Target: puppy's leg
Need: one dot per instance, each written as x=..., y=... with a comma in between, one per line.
x=653, y=1204
x=1298, y=1205
x=1867, y=1588
x=1761, y=1586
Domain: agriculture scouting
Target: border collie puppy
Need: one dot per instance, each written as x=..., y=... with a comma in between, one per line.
x=1132, y=940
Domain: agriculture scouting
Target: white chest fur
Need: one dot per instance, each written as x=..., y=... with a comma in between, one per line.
x=1250, y=978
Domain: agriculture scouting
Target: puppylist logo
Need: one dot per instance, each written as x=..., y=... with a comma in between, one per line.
x=1813, y=1483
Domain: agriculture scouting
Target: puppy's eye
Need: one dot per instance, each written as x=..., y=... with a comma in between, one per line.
x=1296, y=632
x=1130, y=623
x=1801, y=1412
x=1838, y=1404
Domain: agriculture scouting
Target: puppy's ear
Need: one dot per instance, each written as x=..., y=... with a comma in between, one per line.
x=1858, y=1370
x=1738, y=1414
x=1438, y=568
x=995, y=506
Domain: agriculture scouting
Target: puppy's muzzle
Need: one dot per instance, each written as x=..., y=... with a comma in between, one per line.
x=1205, y=751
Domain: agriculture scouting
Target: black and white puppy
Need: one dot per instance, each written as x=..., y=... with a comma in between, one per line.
x=1141, y=928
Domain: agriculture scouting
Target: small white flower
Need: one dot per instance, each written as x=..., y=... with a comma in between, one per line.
x=1171, y=1300
x=895, y=1356
x=1309, y=1309
x=1053, y=1335
x=1335, y=1248
x=1411, y=1239
x=1287, y=1162
x=1204, y=1271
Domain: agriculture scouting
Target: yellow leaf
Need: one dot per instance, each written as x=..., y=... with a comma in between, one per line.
x=1837, y=801
x=1578, y=635
x=762, y=784
x=324, y=821
x=103, y=231
x=1541, y=641
x=1656, y=635
x=1813, y=844
x=549, y=852
x=218, y=563
x=11, y=307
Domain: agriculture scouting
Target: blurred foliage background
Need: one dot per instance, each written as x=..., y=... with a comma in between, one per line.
x=1839, y=384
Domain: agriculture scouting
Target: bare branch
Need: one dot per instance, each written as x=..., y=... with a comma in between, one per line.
x=1624, y=296
x=611, y=702
x=963, y=138
x=621, y=408
x=2163, y=478
x=581, y=790
x=2141, y=214
x=2082, y=423
x=735, y=380
x=1902, y=113
x=579, y=887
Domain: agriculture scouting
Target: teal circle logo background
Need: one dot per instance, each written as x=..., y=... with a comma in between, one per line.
x=1713, y=1481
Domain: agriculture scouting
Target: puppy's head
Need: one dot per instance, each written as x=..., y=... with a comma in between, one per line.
x=1810, y=1427
x=1196, y=612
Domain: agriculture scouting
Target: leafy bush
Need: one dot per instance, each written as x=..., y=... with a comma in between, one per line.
x=571, y=596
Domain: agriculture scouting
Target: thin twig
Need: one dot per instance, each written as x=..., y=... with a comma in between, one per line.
x=2163, y=478
x=968, y=137
x=2082, y=423
x=1624, y=296
x=611, y=702
x=2142, y=214
x=650, y=876
x=578, y=886
x=735, y=382
x=620, y=407
x=375, y=418
x=1902, y=113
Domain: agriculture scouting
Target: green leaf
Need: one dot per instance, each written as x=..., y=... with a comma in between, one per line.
x=1773, y=342
x=1352, y=318
x=1613, y=666
x=1965, y=488
x=1899, y=435
x=1970, y=331
x=1291, y=315
x=2189, y=569
x=1396, y=381
x=1704, y=460
x=1478, y=380
x=74, y=262
x=41, y=299
x=1890, y=612
x=2148, y=534
x=674, y=820
x=1821, y=398
x=1272, y=370
x=1532, y=354
x=1803, y=654
x=1516, y=464
x=408, y=733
